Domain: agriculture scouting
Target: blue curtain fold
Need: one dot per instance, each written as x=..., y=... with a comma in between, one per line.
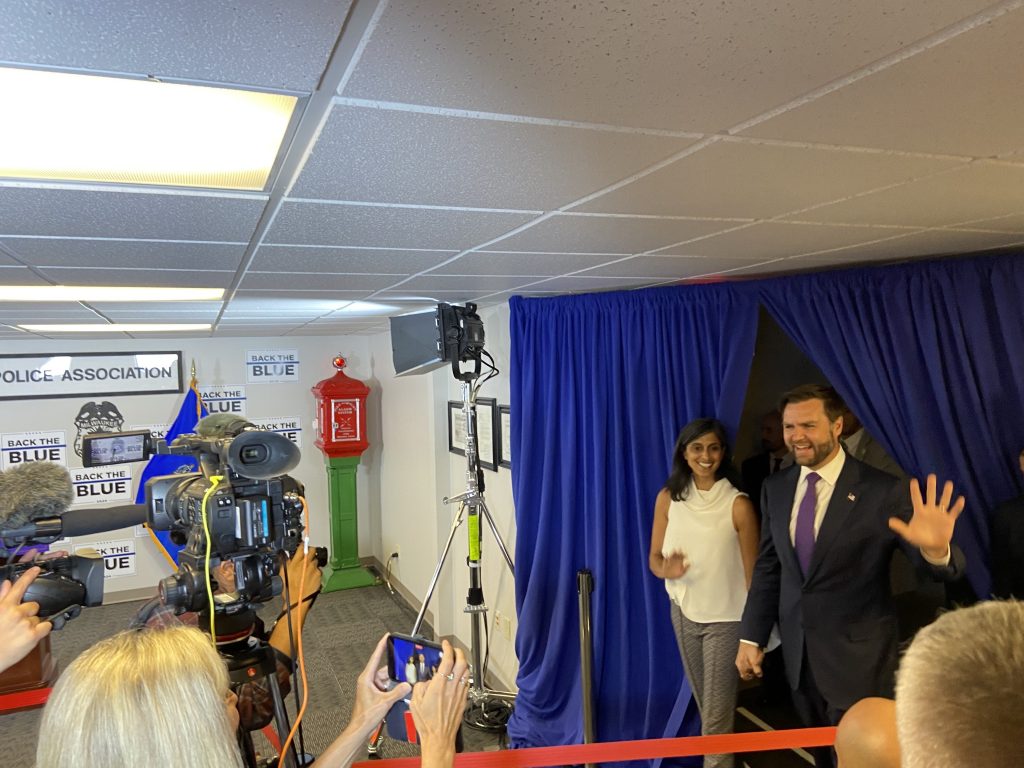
x=928, y=355
x=600, y=386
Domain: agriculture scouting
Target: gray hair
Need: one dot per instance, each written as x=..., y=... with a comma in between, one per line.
x=155, y=697
x=960, y=690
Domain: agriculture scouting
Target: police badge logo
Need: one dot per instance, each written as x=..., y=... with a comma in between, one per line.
x=96, y=417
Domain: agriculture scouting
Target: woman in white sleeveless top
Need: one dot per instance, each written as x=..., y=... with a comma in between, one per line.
x=703, y=544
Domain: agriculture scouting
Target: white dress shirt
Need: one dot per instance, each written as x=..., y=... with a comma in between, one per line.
x=829, y=474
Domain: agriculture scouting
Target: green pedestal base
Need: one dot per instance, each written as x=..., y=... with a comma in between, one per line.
x=336, y=580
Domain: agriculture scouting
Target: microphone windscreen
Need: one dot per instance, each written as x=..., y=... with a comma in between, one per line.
x=82, y=522
x=32, y=490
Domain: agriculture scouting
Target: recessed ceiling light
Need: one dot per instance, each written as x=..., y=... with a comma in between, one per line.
x=87, y=128
x=100, y=293
x=115, y=327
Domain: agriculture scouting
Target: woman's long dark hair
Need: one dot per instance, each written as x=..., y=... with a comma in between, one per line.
x=678, y=483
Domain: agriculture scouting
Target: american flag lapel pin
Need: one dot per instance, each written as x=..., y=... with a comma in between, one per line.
x=851, y=497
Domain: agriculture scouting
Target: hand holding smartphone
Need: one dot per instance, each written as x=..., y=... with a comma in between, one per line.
x=412, y=659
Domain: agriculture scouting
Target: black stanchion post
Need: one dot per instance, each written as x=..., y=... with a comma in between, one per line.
x=584, y=586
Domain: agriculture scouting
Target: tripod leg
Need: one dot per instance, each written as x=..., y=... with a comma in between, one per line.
x=281, y=720
x=497, y=536
x=456, y=522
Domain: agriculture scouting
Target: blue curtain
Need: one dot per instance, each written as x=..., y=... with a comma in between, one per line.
x=929, y=356
x=600, y=386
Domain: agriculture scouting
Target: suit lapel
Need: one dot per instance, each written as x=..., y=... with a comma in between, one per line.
x=844, y=499
x=780, y=521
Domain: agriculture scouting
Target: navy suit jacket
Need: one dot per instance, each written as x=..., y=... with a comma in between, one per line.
x=842, y=611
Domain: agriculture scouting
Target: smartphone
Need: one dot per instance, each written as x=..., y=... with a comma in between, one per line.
x=412, y=659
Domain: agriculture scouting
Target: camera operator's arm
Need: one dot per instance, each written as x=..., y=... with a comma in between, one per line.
x=437, y=707
x=302, y=570
x=371, y=704
x=20, y=628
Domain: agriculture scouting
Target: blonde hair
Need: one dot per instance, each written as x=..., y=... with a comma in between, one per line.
x=960, y=689
x=155, y=697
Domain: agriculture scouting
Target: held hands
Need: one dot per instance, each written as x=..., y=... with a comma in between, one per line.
x=437, y=706
x=20, y=628
x=372, y=699
x=748, y=661
x=931, y=527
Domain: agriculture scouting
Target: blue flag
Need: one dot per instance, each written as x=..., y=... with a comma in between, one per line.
x=192, y=409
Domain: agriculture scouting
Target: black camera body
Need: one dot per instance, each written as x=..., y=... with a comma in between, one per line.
x=253, y=510
x=65, y=585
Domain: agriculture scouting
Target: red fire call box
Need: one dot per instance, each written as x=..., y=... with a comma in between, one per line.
x=340, y=414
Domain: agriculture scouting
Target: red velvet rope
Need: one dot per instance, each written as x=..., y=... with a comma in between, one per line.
x=541, y=757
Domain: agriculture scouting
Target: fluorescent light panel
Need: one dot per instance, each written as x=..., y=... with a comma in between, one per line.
x=116, y=327
x=102, y=293
x=88, y=128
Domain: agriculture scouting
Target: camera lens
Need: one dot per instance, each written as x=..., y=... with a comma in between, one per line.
x=252, y=454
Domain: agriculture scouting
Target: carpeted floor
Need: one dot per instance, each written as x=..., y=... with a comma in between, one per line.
x=342, y=630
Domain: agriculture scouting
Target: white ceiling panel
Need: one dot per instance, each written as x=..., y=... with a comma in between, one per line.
x=682, y=65
x=381, y=226
x=184, y=278
x=519, y=263
x=584, y=284
x=46, y=252
x=284, y=258
x=21, y=276
x=365, y=154
x=431, y=284
x=966, y=194
x=771, y=239
x=607, y=234
x=268, y=298
x=255, y=43
x=93, y=213
x=315, y=281
x=730, y=179
x=1013, y=222
x=657, y=267
x=941, y=100
x=5, y=260
x=243, y=303
x=935, y=242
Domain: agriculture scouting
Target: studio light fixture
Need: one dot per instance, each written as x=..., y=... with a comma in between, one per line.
x=63, y=126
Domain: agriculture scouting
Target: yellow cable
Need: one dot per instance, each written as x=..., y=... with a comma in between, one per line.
x=215, y=480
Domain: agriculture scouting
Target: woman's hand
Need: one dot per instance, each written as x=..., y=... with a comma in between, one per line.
x=675, y=565
x=372, y=700
x=20, y=628
x=437, y=706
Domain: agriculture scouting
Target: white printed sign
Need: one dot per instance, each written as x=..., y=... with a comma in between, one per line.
x=102, y=485
x=159, y=431
x=223, y=399
x=83, y=374
x=23, y=447
x=118, y=557
x=289, y=426
x=275, y=365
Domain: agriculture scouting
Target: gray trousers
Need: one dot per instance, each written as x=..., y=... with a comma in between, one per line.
x=709, y=660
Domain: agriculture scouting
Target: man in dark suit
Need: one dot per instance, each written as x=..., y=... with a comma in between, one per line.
x=775, y=457
x=829, y=527
x=1008, y=547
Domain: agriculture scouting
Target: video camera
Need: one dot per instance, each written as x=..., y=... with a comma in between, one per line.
x=240, y=507
x=66, y=585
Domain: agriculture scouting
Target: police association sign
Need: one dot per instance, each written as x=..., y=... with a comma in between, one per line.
x=89, y=374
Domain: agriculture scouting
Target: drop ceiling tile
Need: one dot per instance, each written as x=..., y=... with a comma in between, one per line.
x=599, y=234
x=583, y=284
x=20, y=276
x=285, y=258
x=772, y=239
x=255, y=43
x=242, y=303
x=519, y=263
x=365, y=154
x=479, y=283
x=748, y=180
x=314, y=281
x=6, y=260
x=46, y=252
x=265, y=297
x=953, y=98
x=936, y=242
x=381, y=226
x=449, y=296
x=161, y=306
x=1013, y=222
x=91, y=213
x=655, y=267
x=976, y=191
x=693, y=66
x=178, y=278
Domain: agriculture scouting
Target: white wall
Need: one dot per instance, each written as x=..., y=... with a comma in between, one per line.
x=415, y=471
x=219, y=362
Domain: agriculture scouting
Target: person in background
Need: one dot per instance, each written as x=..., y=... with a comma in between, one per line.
x=775, y=456
x=161, y=697
x=20, y=628
x=960, y=690
x=704, y=544
x=1008, y=546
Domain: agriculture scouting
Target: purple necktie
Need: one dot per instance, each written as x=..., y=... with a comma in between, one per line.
x=804, y=539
